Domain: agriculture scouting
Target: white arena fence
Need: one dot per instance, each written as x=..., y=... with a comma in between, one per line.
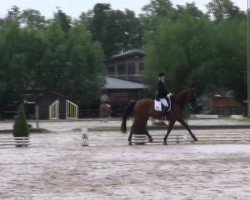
x=14, y=141
x=211, y=138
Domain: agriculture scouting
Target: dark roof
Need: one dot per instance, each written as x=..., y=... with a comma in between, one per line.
x=114, y=83
x=51, y=93
x=127, y=54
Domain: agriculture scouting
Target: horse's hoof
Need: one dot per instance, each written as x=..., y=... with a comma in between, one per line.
x=130, y=143
x=165, y=143
x=151, y=140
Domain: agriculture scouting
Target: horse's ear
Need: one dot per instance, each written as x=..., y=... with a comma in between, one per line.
x=193, y=89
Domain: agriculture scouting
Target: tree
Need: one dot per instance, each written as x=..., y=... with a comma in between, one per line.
x=117, y=31
x=159, y=8
x=231, y=56
x=62, y=19
x=1, y=22
x=153, y=11
x=98, y=21
x=51, y=70
x=14, y=13
x=19, y=50
x=178, y=49
x=60, y=56
x=122, y=32
x=224, y=9
x=190, y=8
x=85, y=58
x=86, y=19
x=12, y=64
x=197, y=51
x=33, y=19
x=71, y=63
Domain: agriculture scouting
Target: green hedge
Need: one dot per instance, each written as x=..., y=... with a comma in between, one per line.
x=21, y=128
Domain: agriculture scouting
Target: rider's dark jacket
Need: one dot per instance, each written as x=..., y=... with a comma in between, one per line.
x=162, y=92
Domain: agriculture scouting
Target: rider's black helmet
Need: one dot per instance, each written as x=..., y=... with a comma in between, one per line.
x=161, y=74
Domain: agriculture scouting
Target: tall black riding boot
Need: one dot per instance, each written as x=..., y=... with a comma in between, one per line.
x=165, y=112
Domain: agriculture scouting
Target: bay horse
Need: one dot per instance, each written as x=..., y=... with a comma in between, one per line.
x=105, y=111
x=144, y=108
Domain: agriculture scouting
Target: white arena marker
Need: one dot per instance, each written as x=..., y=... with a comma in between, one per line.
x=85, y=141
x=139, y=139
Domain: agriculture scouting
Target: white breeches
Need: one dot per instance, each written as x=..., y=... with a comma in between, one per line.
x=164, y=102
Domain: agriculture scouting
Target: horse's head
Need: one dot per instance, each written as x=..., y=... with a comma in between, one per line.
x=191, y=97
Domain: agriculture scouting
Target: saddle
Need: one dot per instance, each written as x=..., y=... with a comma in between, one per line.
x=158, y=106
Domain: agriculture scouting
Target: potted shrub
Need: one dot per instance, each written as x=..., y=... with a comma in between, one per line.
x=21, y=128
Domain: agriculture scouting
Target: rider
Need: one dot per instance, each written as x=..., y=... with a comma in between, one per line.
x=162, y=94
x=104, y=99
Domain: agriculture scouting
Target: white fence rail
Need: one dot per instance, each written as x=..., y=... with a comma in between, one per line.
x=72, y=110
x=54, y=110
x=211, y=138
x=15, y=141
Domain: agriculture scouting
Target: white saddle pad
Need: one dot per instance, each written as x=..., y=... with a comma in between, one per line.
x=158, y=106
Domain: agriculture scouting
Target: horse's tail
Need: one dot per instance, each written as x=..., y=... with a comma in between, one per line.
x=129, y=109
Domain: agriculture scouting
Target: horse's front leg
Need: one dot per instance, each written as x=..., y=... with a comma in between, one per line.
x=188, y=129
x=170, y=126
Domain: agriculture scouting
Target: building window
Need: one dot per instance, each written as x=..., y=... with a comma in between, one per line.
x=141, y=65
x=110, y=70
x=121, y=70
x=131, y=69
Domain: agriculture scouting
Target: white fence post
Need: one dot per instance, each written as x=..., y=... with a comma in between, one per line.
x=37, y=115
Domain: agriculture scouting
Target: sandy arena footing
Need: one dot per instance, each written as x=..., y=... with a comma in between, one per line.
x=56, y=166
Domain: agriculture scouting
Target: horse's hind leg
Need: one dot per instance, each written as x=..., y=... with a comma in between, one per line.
x=149, y=136
x=130, y=135
x=170, y=126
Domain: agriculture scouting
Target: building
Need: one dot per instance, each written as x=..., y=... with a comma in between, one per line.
x=122, y=91
x=222, y=102
x=124, y=79
x=126, y=66
x=45, y=105
x=53, y=105
x=222, y=105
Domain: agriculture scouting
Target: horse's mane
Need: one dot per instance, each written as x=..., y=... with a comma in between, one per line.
x=184, y=92
x=180, y=98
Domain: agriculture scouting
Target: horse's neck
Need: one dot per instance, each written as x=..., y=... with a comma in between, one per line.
x=180, y=99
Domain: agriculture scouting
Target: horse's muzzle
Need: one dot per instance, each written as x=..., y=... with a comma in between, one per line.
x=193, y=104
